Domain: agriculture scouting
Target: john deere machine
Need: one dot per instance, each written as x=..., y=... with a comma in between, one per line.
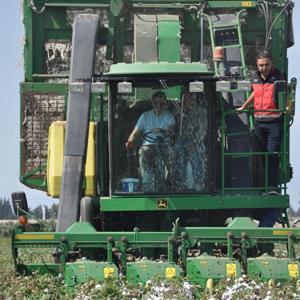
x=91, y=68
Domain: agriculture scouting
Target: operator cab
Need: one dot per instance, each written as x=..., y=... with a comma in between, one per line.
x=171, y=153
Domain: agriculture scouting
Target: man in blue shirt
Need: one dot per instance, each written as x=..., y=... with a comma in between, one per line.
x=156, y=155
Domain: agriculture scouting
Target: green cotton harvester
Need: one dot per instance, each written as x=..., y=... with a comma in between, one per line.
x=91, y=68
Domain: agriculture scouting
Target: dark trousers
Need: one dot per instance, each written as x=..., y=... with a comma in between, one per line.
x=268, y=136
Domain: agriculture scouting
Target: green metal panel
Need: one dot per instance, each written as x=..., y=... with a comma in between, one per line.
x=82, y=3
x=168, y=34
x=231, y=4
x=190, y=34
x=28, y=45
x=256, y=201
x=38, y=269
x=99, y=239
x=278, y=40
x=242, y=222
x=204, y=267
x=267, y=267
x=82, y=227
x=59, y=88
x=143, y=270
x=191, y=202
x=38, y=27
x=82, y=271
x=55, y=18
x=56, y=25
x=168, y=31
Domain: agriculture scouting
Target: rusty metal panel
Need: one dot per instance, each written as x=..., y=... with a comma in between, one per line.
x=145, y=38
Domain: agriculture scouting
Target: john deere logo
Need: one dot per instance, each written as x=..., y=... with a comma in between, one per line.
x=162, y=203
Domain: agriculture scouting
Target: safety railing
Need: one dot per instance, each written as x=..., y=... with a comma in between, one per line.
x=283, y=156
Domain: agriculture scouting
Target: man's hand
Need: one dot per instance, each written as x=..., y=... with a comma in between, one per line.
x=129, y=145
x=239, y=109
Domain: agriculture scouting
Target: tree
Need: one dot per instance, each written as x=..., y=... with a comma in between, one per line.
x=54, y=211
x=38, y=212
x=6, y=212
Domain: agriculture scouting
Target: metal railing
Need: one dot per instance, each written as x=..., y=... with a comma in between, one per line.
x=283, y=157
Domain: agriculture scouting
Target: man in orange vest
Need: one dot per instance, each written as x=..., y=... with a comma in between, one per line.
x=268, y=120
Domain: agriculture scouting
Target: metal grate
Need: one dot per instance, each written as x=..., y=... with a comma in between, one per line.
x=58, y=55
x=39, y=111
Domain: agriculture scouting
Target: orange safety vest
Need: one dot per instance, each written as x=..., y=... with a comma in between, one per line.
x=264, y=96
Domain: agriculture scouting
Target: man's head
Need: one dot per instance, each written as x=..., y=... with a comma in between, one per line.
x=159, y=102
x=264, y=63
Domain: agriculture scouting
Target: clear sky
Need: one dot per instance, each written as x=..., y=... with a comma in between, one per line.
x=11, y=36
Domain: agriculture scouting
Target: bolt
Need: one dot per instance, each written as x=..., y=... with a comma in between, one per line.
x=229, y=234
x=172, y=240
x=184, y=235
x=123, y=239
x=63, y=239
x=244, y=235
x=163, y=257
x=110, y=239
x=271, y=284
x=291, y=235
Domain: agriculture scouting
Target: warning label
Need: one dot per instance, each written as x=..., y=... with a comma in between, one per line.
x=170, y=272
x=293, y=270
x=231, y=270
x=108, y=272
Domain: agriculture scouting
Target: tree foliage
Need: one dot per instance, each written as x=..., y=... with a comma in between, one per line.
x=6, y=212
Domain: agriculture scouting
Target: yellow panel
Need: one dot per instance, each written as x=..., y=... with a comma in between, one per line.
x=170, y=272
x=248, y=3
x=108, y=272
x=293, y=270
x=34, y=237
x=56, y=140
x=90, y=168
x=231, y=270
x=281, y=232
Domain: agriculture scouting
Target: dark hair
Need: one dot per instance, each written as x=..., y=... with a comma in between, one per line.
x=159, y=94
x=263, y=54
